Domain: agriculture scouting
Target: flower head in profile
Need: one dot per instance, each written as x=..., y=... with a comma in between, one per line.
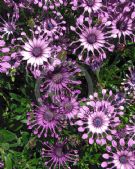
x=99, y=119
x=129, y=83
x=119, y=155
x=44, y=120
x=4, y=59
x=91, y=40
x=131, y=127
x=59, y=155
x=94, y=62
x=61, y=80
x=36, y=51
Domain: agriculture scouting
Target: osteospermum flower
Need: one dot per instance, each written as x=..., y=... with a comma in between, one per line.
x=99, y=119
x=44, y=120
x=60, y=80
x=87, y=5
x=53, y=24
x=129, y=83
x=59, y=155
x=69, y=107
x=36, y=51
x=122, y=27
x=120, y=155
x=92, y=40
x=8, y=27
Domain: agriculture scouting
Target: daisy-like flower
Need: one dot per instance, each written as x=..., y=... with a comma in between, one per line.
x=4, y=59
x=44, y=120
x=92, y=40
x=8, y=27
x=120, y=155
x=59, y=155
x=53, y=24
x=122, y=27
x=99, y=119
x=129, y=83
x=87, y=5
x=69, y=107
x=36, y=51
x=61, y=80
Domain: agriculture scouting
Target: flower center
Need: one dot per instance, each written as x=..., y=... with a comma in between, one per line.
x=10, y=27
x=57, y=78
x=123, y=159
x=48, y=116
x=97, y=122
x=49, y=25
x=37, y=51
x=121, y=25
x=90, y=3
x=59, y=151
x=68, y=107
x=92, y=38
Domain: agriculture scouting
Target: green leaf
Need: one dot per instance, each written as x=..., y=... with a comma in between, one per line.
x=8, y=161
x=7, y=136
x=5, y=146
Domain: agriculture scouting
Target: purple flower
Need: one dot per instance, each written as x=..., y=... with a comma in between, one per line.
x=44, y=119
x=122, y=27
x=129, y=83
x=99, y=119
x=120, y=155
x=121, y=15
x=36, y=51
x=8, y=27
x=95, y=62
x=61, y=80
x=92, y=40
x=53, y=25
x=87, y=5
x=69, y=107
x=59, y=155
